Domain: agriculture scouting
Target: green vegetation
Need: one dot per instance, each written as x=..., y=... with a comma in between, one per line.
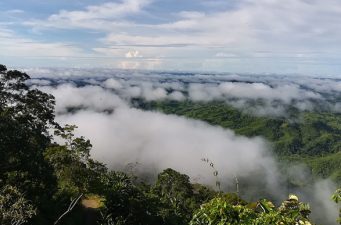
x=14, y=208
x=336, y=197
x=225, y=210
x=42, y=182
x=309, y=137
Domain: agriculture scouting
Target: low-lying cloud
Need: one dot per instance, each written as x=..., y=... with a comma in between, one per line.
x=126, y=135
x=285, y=93
x=122, y=135
x=273, y=94
x=90, y=97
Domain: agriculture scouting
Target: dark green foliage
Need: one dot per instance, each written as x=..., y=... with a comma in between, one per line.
x=76, y=172
x=176, y=194
x=202, y=193
x=3, y=68
x=325, y=166
x=126, y=203
x=25, y=116
x=171, y=200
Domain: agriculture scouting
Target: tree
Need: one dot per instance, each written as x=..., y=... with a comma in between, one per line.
x=26, y=114
x=127, y=203
x=31, y=106
x=176, y=194
x=75, y=170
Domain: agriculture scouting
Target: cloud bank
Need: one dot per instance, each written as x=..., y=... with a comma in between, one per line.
x=261, y=95
x=121, y=135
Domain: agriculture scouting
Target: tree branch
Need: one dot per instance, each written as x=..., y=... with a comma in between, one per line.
x=71, y=206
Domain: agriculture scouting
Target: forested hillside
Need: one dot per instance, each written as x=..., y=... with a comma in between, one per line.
x=44, y=182
x=310, y=137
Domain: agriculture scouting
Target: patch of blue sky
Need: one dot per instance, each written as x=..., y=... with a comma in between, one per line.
x=42, y=8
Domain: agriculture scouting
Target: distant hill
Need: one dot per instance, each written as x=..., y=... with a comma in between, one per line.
x=311, y=137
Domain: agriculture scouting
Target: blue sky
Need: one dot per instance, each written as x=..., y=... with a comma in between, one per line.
x=252, y=36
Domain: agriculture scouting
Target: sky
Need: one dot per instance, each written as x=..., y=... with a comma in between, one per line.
x=244, y=36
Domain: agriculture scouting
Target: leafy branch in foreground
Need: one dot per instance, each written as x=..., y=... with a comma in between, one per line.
x=336, y=197
x=15, y=209
x=224, y=210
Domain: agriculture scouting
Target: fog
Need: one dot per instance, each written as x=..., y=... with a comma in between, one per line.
x=121, y=135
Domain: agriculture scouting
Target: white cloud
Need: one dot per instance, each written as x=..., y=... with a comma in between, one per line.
x=158, y=141
x=177, y=96
x=98, y=17
x=225, y=55
x=148, y=64
x=104, y=11
x=112, y=83
x=191, y=14
x=88, y=97
x=149, y=40
x=133, y=54
x=286, y=93
x=268, y=25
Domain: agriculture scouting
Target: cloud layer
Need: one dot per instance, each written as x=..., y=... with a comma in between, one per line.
x=274, y=95
x=122, y=135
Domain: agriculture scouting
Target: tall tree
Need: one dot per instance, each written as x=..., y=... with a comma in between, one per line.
x=26, y=114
